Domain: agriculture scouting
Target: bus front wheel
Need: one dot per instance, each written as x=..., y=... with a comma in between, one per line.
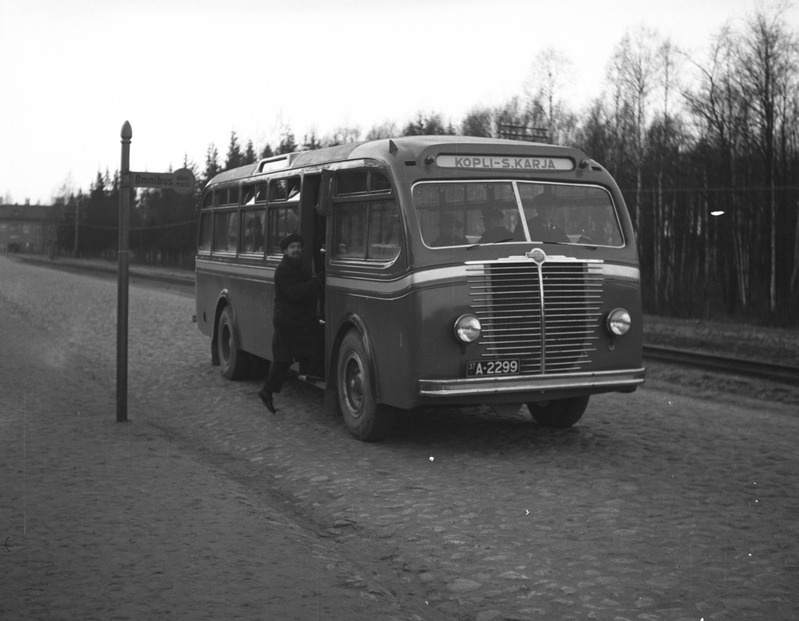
x=365, y=419
x=232, y=361
x=560, y=413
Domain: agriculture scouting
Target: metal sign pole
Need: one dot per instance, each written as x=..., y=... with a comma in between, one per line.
x=122, y=283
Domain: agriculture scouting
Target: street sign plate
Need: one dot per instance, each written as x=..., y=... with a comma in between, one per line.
x=181, y=181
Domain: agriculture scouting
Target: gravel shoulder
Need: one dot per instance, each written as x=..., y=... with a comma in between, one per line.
x=731, y=339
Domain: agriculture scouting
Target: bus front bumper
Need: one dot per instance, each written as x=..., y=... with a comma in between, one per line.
x=588, y=382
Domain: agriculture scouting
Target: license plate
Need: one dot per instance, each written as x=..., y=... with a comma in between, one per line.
x=492, y=367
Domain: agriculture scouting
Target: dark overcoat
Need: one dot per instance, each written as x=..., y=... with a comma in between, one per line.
x=297, y=329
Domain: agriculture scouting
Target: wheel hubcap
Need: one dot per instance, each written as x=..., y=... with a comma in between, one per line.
x=227, y=343
x=353, y=385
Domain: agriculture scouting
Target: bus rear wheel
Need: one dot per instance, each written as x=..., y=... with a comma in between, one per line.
x=365, y=419
x=232, y=361
x=559, y=413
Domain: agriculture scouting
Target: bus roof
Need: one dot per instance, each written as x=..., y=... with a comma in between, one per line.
x=411, y=147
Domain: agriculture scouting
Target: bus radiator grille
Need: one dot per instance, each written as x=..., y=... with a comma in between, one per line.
x=545, y=315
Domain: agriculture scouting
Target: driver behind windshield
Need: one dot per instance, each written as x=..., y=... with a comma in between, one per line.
x=541, y=225
x=494, y=229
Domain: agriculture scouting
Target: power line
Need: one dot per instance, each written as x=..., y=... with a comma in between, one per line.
x=720, y=189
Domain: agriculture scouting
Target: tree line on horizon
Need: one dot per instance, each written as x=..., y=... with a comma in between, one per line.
x=709, y=168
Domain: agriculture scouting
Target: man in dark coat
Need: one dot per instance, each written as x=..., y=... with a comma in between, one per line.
x=541, y=226
x=495, y=231
x=298, y=334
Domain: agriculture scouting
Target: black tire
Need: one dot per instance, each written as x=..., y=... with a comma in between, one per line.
x=233, y=362
x=365, y=419
x=560, y=413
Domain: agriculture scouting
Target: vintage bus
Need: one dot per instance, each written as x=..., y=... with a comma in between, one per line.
x=458, y=271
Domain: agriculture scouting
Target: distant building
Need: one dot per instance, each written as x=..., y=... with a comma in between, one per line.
x=28, y=228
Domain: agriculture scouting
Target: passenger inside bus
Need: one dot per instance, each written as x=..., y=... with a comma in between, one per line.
x=494, y=229
x=541, y=224
x=253, y=237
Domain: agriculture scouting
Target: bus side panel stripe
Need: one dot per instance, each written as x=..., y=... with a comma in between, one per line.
x=440, y=275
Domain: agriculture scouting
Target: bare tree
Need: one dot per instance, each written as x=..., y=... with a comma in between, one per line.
x=665, y=141
x=721, y=111
x=634, y=69
x=768, y=59
x=550, y=72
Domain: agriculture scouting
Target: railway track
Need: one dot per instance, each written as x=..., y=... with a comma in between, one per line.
x=760, y=369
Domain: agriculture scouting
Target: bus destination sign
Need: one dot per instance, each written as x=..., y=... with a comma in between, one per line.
x=505, y=162
x=181, y=181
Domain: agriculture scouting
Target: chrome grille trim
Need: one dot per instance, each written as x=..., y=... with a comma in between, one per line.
x=547, y=314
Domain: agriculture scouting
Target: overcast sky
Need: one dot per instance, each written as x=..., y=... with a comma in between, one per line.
x=186, y=73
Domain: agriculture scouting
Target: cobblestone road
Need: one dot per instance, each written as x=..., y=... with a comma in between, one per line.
x=656, y=506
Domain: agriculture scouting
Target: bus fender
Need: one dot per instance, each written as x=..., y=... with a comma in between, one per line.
x=355, y=322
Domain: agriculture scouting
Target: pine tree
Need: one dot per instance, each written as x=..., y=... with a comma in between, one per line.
x=211, y=163
x=287, y=143
x=478, y=122
x=427, y=126
x=234, y=157
x=310, y=143
x=249, y=156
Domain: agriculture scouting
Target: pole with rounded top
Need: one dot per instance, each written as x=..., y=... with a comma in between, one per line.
x=122, y=282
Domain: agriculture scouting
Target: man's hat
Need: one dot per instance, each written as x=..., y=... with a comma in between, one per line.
x=290, y=239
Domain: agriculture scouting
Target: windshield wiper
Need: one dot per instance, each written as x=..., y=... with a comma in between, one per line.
x=501, y=241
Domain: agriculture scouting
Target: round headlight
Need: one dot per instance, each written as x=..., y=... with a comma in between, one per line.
x=467, y=328
x=618, y=321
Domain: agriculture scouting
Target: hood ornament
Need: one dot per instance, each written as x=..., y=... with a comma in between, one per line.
x=537, y=255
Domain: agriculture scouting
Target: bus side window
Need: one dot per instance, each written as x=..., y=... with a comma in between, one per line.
x=283, y=220
x=260, y=193
x=226, y=231
x=384, y=231
x=367, y=231
x=248, y=194
x=285, y=189
x=352, y=182
x=278, y=190
x=350, y=231
x=253, y=241
x=206, y=231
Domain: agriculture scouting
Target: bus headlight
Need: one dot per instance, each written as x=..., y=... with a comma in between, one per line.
x=467, y=328
x=618, y=321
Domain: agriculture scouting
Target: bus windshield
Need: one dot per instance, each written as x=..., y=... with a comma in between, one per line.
x=464, y=213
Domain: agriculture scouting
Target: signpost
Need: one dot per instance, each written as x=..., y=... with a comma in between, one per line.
x=122, y=277
x=180, y=181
